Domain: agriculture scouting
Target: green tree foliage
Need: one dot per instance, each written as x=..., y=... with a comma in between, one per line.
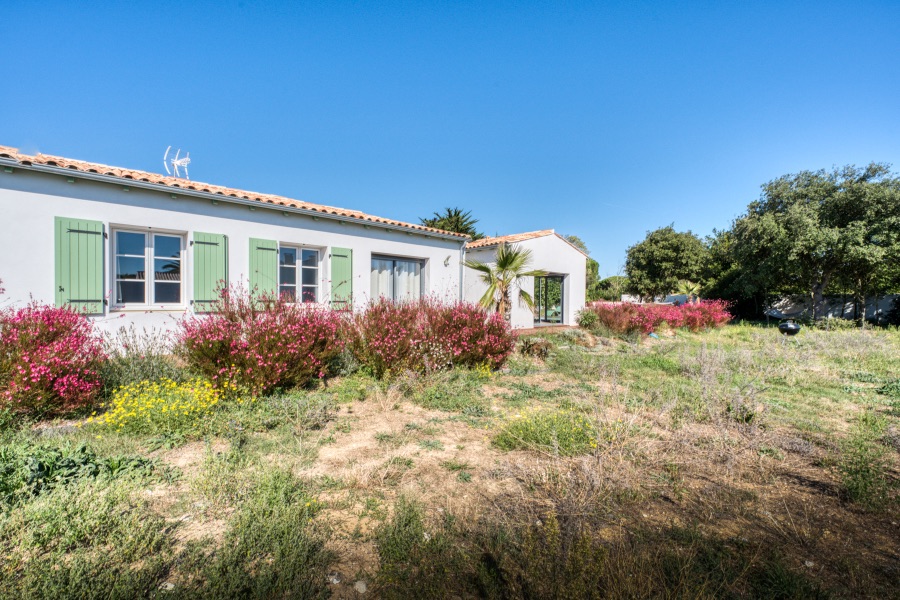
x=610, y=289
x=665, y=257
x=456, y=220
x=813, y=232
x=592, y=277
x=503, y=276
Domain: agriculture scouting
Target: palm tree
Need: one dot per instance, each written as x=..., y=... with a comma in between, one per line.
x=504, y=275
x=456, y=220
x=689, y=289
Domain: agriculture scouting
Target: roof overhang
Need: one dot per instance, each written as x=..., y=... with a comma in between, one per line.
x=174, y=192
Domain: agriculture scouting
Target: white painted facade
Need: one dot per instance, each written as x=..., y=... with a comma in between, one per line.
x=30, y=200
x=549, y=253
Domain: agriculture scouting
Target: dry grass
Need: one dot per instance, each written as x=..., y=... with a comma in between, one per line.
x=716, y=472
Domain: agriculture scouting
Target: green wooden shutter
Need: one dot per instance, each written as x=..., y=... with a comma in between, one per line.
x=341, y=277
x=79, y=264
x=210, y=269
x=263, y=266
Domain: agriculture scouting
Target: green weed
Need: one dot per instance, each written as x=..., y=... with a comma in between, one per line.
x=89, y=539
x=558, y=433
x=270, y=549
x=431, y=445
x=415, y=562
x=28, y=469
x=453, y=465
x=452, y=391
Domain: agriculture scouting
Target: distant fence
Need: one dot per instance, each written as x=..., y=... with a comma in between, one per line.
x=836, y=306
x=800, y=306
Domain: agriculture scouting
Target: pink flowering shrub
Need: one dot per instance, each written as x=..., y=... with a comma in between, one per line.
x=616, y=317
x=260, y=343
x=622, y=318
x=462, y=334
x=386, y=336
x=50, y=359
x=428, y=335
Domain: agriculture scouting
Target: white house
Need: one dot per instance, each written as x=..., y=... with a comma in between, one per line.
x=558, y=295
x=131, y=246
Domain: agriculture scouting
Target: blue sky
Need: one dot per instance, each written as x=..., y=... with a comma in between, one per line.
x=605, y=120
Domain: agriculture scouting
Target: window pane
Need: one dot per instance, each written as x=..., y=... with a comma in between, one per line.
x=309, y=294
x=407, y=281
x=310, y=276
x=130, y=292
x=288, y=293
x=287, y=256
x=167, y=293
x=167, y=270
x=128, y=242
x=288, y=275
x=167, y=246
x=130, y=267
x=310, y=258
x=382, y=272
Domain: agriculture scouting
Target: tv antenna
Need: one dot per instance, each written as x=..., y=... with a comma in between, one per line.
x=177, y=162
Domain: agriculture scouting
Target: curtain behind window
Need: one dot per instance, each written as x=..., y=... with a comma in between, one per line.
x=407, y=280
x=381, y=278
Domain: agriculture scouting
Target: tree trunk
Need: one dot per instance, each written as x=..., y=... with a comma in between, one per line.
x=818, y=297
x=504, y=305
x=859, y=303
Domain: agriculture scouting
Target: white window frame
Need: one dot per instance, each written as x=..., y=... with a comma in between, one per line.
x=149, y=270
x=300, y=268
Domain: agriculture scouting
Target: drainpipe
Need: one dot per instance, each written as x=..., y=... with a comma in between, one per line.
x=462, y=268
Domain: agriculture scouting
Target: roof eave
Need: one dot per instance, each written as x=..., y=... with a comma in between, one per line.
x=537, y=237
x=148, y=185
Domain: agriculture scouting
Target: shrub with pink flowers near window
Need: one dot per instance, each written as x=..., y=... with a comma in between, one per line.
x=428, y=335
x=624, y=318
x=386, y=336
x=50, y=359
x=467, y=335
x=260, y=343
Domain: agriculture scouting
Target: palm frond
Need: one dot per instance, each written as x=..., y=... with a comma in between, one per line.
x=503, y=276
x=526, y=299
x=489, y=300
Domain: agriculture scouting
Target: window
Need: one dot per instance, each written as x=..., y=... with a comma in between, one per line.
x=302, y=274
x=136, y=255
x=398, y=279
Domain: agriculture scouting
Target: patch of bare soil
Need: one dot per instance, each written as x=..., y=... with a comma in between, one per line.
x=174, y=501
x=389, y=452
x=189, y=457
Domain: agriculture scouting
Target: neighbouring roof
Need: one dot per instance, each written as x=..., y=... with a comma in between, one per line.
x=187, y=186
x=517, y=237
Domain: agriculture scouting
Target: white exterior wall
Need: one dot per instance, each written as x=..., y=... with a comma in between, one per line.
x=548, y=253
x=30, y=201
x=473, y=288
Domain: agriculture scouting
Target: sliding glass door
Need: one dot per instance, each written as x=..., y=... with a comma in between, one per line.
x=548, y=299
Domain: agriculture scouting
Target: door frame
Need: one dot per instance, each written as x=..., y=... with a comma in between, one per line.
x=540, y=307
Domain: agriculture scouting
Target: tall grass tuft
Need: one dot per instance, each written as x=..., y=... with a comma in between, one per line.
x=864, y=465
x=138, y=355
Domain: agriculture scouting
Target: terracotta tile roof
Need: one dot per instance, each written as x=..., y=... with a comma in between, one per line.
x=187, y=186
x=508, y=239
x=517, y=237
